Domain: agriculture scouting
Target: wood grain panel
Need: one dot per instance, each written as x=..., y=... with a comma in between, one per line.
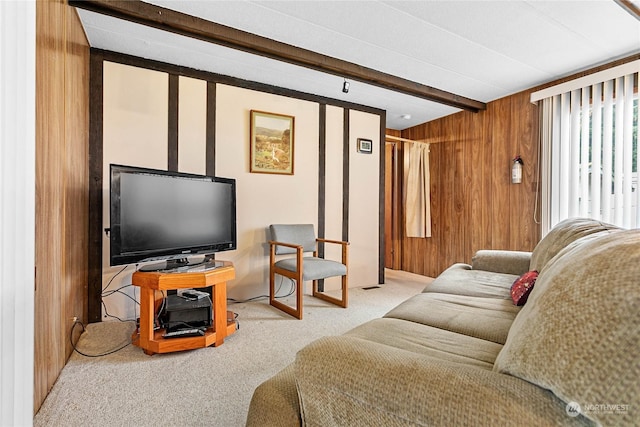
x=50, y=48
x=501, y=139
x=392, y=201
x=473, y=203
x=61, y=187
x=76, y=174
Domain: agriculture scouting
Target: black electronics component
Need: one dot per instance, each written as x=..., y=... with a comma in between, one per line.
x=184, y=333
x=181, y=314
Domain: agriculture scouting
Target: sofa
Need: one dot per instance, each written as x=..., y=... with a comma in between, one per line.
x=463, y=353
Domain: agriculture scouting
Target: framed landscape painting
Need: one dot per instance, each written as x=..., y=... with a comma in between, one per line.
x=271, y=143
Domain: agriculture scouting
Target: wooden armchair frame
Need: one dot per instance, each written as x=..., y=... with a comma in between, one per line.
x=299, y=273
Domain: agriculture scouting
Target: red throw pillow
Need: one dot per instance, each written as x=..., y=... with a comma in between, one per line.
x=522, y=286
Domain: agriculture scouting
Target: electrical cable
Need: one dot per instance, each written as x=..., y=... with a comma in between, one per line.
x=107, y=314
x=114, y=276
x=107, y=293
x=119, y=291
x=91, y=355
x=160, y=309
x=291, y=292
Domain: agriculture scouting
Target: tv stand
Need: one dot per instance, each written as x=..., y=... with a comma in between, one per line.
x=152, y=341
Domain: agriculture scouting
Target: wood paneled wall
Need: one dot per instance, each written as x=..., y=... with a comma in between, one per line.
x=473, y=203
x=62, y=100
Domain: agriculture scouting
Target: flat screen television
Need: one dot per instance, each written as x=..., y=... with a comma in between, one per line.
x=158, y=215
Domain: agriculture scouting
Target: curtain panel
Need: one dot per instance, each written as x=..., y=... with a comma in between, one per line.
x=417, y=191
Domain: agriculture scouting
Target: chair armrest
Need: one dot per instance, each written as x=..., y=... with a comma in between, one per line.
x=339, y=242
x=345, y=248
x=355, y=382
x=272, y=251
x=289, y=245
x=508, y=262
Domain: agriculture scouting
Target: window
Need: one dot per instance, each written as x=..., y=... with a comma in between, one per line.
x=590, y=153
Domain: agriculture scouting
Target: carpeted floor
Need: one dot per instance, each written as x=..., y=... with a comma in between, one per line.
x=210, y=386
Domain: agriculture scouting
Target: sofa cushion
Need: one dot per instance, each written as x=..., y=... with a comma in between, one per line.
x=484, y=318
x=460, y=279
x=346, y=381
x=429, y=341
x=501, y=261
x=563, y=234
x=578, y=334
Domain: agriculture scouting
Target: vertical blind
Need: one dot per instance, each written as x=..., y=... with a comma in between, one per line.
x=590, y=153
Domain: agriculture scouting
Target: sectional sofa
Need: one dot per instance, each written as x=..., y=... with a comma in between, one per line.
x=463, y=353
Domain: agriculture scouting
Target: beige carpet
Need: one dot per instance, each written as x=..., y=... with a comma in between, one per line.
x=210, y=386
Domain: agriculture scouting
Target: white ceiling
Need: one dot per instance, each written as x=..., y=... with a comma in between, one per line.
x=482, y=50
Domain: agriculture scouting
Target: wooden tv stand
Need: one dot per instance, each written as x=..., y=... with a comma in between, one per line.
x=150, y=299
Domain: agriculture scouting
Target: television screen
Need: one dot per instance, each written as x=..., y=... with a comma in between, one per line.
x=158, y=214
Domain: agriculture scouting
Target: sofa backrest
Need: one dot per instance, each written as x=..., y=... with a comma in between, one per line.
x=579, y=332
x=562, y=235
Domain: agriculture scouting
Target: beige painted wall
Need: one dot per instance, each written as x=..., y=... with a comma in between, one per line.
x=364, y=184
x=135, y=133
x=264, y=199
x=192, y=125
x=135, y=117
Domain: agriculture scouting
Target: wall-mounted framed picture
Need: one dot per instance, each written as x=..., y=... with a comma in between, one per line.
x=365, y=146
x=271, y=143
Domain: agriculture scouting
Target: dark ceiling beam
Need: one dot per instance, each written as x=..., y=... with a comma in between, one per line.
x=198, y=28
x=630, y=7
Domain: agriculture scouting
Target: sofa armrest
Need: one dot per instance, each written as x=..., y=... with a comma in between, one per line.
x=507, y=262
x=275, y=402
x=354, y=382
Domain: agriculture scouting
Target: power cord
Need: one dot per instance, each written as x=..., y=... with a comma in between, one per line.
x=291, y=292
x=77, y=322
x=106, y=293
x=113, y=316
x=119, y=291
x=235, y=319
x=113, y=277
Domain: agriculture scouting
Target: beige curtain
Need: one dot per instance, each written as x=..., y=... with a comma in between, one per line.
x=417, y=193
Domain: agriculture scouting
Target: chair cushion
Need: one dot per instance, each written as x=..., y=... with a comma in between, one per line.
x=299, y=234
x=314, y=268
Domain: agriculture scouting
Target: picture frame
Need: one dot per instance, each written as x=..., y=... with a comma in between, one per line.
x=365, y=146
x=271, y=143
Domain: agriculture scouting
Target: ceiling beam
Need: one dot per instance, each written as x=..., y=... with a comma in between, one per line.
x=630, y=7
x=198, y=28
